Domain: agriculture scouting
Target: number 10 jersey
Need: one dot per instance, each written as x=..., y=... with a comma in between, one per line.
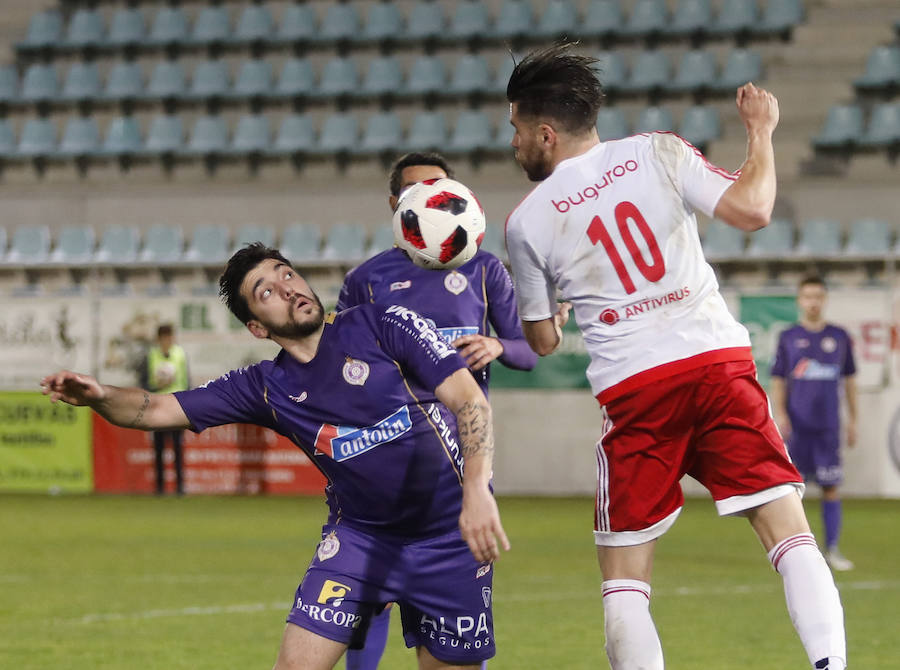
x=614, y=231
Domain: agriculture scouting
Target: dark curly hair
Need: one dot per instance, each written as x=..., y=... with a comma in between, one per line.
x=236, y=269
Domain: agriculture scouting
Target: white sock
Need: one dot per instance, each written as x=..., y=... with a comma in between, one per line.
x=631, y=639
x=812, y=599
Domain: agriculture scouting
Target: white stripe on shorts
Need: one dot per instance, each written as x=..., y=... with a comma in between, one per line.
x=601, y=504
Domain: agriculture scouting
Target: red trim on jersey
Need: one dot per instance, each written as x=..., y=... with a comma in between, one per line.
x=722, y=172
x=792, y=543
x=674, y=368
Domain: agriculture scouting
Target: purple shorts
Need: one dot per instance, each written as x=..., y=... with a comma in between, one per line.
x=444, y=594
x=817, y=455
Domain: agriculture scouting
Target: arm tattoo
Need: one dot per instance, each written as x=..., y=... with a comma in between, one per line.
x=476, y=435
x=138, y=420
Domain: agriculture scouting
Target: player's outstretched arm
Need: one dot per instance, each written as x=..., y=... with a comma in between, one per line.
x=126, y=407
x=748, y=203
x=479, y=521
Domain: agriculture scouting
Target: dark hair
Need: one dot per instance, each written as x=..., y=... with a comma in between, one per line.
x=557, y=84
x=165, y=329
x=236, y=269
x=416, y=158
x=811, y=280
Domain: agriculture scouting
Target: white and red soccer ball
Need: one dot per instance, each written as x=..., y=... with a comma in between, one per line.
x=439, y=223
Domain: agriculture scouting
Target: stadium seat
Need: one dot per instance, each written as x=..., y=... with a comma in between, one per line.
x=383, y=23
x=700, y=125
x=30, y=243
x=209, y=245
x=558, y=19
x=251, y=136
x=383, y=133
x=124, y=82
x=167, y=80
x=882, y=70
x=170, y=27
x=74, y=245
x=212, y=26
x=38, y=139
x=470, y=20
x=85, y=30
x=340, y=23
x=45, y=30
x=295, y=136
x=602, y=19
x=339, y=77
x=741, y=66
x=691, y=18
x=427, y=76
x=843, y=128
x=428, y=132
x=780, y=17
x=81, y=137
x=40, y=83
x=611, y=124
x=209, y=137
x=7, y=143
x=165, y=135
x=650, y=119
x=82, y=82
x=723, y=242
x=209, y=80
x=650, y=72
x=883, y=130
x=426, y=21
x=345, y=242
x=254, y=79
x=384, y=76
x=300, y=242
x=736, y=17
x=297, y=25
x=296, y=79
x=254, y=25
x=163, y=243
x=514, y=20
x=696, y=72
x=2, y=243
x=119, y=245
x=775, y=240
x=869, y=237
x=382, y=240
x=123, y=137
x=126, y=28
x=340, y=134
x=494, y=241
x=9, y=85
x=472, y=132
x=820, y=238
x=612, y=70
x=470, y=75
x=501, y=74
x=648, y=18
x=253, y=232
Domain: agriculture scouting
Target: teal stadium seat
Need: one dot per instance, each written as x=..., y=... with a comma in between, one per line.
x=2, y=244
x=30, y=244
x=843, y=129
x=341, y=23
x=781, y=17
x=736, y=18
x=611, y=124
x=81, y=137
x=494, y=241
x=612, y=71
x=741, y=66
x=212, y=26
x=165, y=135
x=123, y=137
x=209, y=81
x=501, y=74
x=124, y=82
x=382, y=240
x=820, y=238
x=428, y=132
x=603, y=19
x=170, y=27
x=427, y=76
x=883, y=129
x=882, y=73
x=255, y=79
x=301, y=242
x=700, y=125
x=295, y=136
x=696, y=72
x=426, y=21
x=85, y=30
x=163, y=244
x=383, y=23
x=652, y=118
x=253, y=232
x=254, y=25
x=775, y=241
x=295, y=80
x=339, y=136
x=559, y=19
x=651, y=72
x=45, y=31
x=471, y=76
x=167, y=81
x=383, y=133
x=339, y=78
x=297, y=25
x=252, y=136
x=345, y=243
x=383, y=77
x=126, y=28
x=40, y=83
x=869, y=237
x=209, y=245
x=514, y=20
x=690, y=19
x=119, y=245
x=723, y=242
x=38, y=139
x=472, y=133
x=9, y=85
x=209, y=137
x=503, y=138
x=82, y=82
x=470, y=20
x=648, y=19
x=7, y=142
x=74, y=245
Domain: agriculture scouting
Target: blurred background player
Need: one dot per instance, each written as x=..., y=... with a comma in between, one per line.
x=165, y=370
x=462, y=303
x=811, y=360
x=376, y=366
x=611, y=226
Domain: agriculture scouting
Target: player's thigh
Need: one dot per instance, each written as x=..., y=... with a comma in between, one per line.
x=429, y=662
x=302, y=649
x=634, y=562
x=778, y=520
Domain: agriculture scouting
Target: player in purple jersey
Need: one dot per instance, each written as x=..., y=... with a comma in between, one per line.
x=463, y=304
x=387, y=411
x=812, y=359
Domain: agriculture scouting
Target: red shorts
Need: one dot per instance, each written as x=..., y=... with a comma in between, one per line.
x=712, y=423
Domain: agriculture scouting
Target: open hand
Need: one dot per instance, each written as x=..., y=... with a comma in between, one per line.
x=72, y=388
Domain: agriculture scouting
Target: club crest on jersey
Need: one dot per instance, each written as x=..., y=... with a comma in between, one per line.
x=400, y=285
x=328, y=547
x=344, y=442
x=829, y=344
x=356, y=372
x=455, y=282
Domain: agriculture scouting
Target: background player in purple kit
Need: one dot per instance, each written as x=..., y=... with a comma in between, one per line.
x=812, y=359
x=387, y=411
x=463, y=303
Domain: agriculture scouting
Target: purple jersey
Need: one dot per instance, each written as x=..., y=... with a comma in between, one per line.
x=812, y=364
x=364, y=411
x=460, y=302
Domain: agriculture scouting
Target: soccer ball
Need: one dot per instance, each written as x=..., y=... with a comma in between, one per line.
x=439, y=223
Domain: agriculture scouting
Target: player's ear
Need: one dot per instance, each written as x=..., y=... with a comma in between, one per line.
x=392, y=201
x=258, y=330
x=547, y=134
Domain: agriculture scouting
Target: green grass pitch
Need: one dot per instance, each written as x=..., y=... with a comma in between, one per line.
x=140, y=583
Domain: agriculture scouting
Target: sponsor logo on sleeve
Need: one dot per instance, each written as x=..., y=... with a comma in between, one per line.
x=345, y=442
x=423, y=330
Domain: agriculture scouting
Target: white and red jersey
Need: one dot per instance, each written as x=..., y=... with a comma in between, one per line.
x=614, y=231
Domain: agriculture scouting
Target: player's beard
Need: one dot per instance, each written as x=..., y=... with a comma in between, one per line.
x=293, y=328
x=536, y=166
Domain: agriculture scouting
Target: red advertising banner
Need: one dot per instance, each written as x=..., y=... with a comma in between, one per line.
x=236, y=458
